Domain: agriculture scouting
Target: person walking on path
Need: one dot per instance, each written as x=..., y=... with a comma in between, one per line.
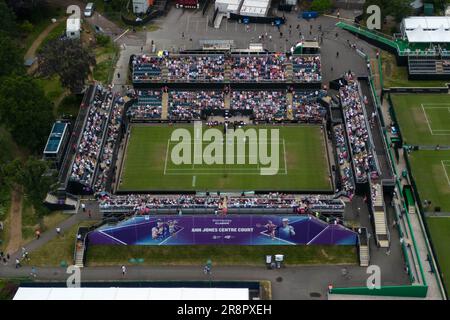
x=124, y=270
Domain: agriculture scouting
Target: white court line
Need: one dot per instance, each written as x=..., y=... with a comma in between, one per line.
x=445, y=170
x=167, y=154
x=193, y=181
x=426, y=118
x=284, y=154
x=113, y=238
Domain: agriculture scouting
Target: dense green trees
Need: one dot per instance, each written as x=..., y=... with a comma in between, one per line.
x=26, y=116
x=25, y=112
x=68, y=59
x=396, y=8
x=321, y=5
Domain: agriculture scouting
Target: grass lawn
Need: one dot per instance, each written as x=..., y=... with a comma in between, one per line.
x=302, y=157
x=58, y=249
x=8, y=288
x=41, y=25
x=70, y=106
x=103, y=71
x=424, y=119
x=57, y=32
x=31, y=222
x=52, y=87
x=431, y=169
x=219, y=254
x=105, y=56
x=440, y=235
x=395, y=76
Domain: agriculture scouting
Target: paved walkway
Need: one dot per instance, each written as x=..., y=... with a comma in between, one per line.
x=15, y=225
x=288, y=283
x=31, y=52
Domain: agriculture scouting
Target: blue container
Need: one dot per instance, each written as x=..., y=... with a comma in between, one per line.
x=310, y=15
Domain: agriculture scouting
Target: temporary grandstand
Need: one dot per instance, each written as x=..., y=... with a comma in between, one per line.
x=423, y=45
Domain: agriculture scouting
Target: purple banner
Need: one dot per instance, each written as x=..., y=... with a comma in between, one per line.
x=232, y=229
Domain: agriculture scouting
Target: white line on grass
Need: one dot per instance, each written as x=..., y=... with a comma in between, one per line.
x=167, y=154
x=284, y=154
x=426, y=118
x=445, y=170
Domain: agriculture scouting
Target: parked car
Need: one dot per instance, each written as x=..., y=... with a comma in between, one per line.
x=89, y=10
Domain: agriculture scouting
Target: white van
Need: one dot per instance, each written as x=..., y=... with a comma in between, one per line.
x=89, y=10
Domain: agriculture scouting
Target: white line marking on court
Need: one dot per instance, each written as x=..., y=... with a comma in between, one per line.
x=284, y=154
x=426, y=118
x=120, y=241
x=445, y=170
x=193, y=181
x=167, y=154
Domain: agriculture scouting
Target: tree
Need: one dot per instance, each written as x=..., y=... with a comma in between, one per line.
x=32, y=176
x=321, y=6
x=7, y=19
x=68, y=59
x=25, y=111
x=10, y=57
x=395, y=8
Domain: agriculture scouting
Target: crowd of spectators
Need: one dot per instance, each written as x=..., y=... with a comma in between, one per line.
x=188, y=105
x=307, y=68
x=357, y=129
x=347, y=182
x=112, y=133
x=211, y=68
x=257, y=68
x=196, y=68
x=88, y=149
x=306, y=106
x=266, y=105
x=148, y=106
x=147, y=67
x=144, y=203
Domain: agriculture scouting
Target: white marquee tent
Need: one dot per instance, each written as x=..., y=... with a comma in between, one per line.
x=34, y=293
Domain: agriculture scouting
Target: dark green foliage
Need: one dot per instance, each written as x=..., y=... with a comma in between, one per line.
x=73, y=68
x=25, y=112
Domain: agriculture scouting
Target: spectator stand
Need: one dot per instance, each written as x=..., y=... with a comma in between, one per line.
x=361, y=145
x=240, y=69
x=84, y=165
x=306, y=68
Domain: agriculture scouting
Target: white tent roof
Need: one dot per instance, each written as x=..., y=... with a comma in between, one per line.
x=427, y=29
x=33, y=293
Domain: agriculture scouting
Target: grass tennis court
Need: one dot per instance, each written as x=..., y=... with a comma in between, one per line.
x=104, y=255
x=440, y=233
x=149, y=164
x=431, y=170
x=424, y=119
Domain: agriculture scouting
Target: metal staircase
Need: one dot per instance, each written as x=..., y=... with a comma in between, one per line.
x=165, y=105
x=363, y=244
x=439, y=67
x=379, y=216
